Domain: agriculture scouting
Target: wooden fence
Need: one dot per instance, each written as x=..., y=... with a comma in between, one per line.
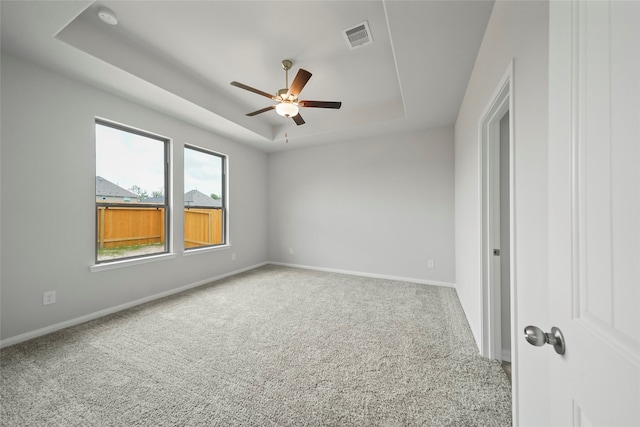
x=131, y=226
x=202, y=227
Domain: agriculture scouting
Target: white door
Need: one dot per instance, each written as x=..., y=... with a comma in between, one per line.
x=594, y=212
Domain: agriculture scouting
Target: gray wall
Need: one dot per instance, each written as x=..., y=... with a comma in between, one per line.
x=48, y=214
x=518, y=32
x=383, y=206
x=380, y=207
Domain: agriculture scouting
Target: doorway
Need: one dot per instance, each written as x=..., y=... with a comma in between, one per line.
x=497, y=226
x=505, y=246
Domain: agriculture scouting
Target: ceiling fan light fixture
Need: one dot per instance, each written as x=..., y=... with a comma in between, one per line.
x=287, y=109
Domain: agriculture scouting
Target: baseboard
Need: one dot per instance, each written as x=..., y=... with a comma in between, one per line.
x=375, y=276
x=91, y=316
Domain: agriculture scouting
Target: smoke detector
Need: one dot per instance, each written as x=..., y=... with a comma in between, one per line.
x=358, y=36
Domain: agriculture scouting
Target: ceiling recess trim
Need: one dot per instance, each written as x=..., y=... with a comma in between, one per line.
x=358, y=36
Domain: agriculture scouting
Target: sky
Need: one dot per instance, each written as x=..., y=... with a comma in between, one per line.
x=203, y=172
x=127, y=159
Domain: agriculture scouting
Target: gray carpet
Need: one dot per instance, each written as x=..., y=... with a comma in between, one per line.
x=274, y=346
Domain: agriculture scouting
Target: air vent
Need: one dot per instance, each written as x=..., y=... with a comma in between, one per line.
x=358, y=36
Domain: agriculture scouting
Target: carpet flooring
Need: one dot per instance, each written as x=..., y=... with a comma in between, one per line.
x=274, y=346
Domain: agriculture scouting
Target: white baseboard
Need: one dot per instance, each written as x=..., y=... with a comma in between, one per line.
x=91, y=316
x=375, y=276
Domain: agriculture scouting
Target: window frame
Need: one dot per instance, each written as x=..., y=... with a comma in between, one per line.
x=167, y=190
x=223, y=198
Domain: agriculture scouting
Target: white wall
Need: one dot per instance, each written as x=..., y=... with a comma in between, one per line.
x=48, y=213
x=383, y=206
x=518, y=31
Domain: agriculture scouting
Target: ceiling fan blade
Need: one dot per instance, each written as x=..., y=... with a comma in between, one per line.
x=301, y=79
x=298, y=119
x=264, y=110
x=320, y=104
x=251, y=89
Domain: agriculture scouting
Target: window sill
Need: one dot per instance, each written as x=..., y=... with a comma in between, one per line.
x=205, y=250
x=129, y=262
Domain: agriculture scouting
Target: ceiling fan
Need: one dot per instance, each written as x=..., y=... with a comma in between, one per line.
x=288, y=104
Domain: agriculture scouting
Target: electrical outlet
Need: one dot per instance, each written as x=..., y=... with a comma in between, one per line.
x=431, y=264
x=233, y=257
x=290, y=251
x=49, y=298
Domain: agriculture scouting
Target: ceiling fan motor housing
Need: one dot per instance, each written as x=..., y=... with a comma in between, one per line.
x=282, y=93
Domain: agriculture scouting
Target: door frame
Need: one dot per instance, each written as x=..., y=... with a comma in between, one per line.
x=501, y=102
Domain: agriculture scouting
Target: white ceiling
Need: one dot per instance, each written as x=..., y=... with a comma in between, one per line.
x=179, y=57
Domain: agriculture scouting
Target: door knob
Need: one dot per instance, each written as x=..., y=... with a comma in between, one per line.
x=536, y=336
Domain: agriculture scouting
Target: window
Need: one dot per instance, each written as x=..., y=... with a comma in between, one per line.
x=204, y=198
x=132, y=211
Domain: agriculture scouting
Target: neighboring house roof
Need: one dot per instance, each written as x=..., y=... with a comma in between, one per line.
x=109, y=189
x=153, y=200
x=196, y=198
x=191, y=198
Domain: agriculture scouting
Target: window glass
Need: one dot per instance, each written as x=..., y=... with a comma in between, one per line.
x=131, y=193
x=204, y=198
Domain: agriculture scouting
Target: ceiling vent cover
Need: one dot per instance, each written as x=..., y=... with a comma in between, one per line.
x=358, y=36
